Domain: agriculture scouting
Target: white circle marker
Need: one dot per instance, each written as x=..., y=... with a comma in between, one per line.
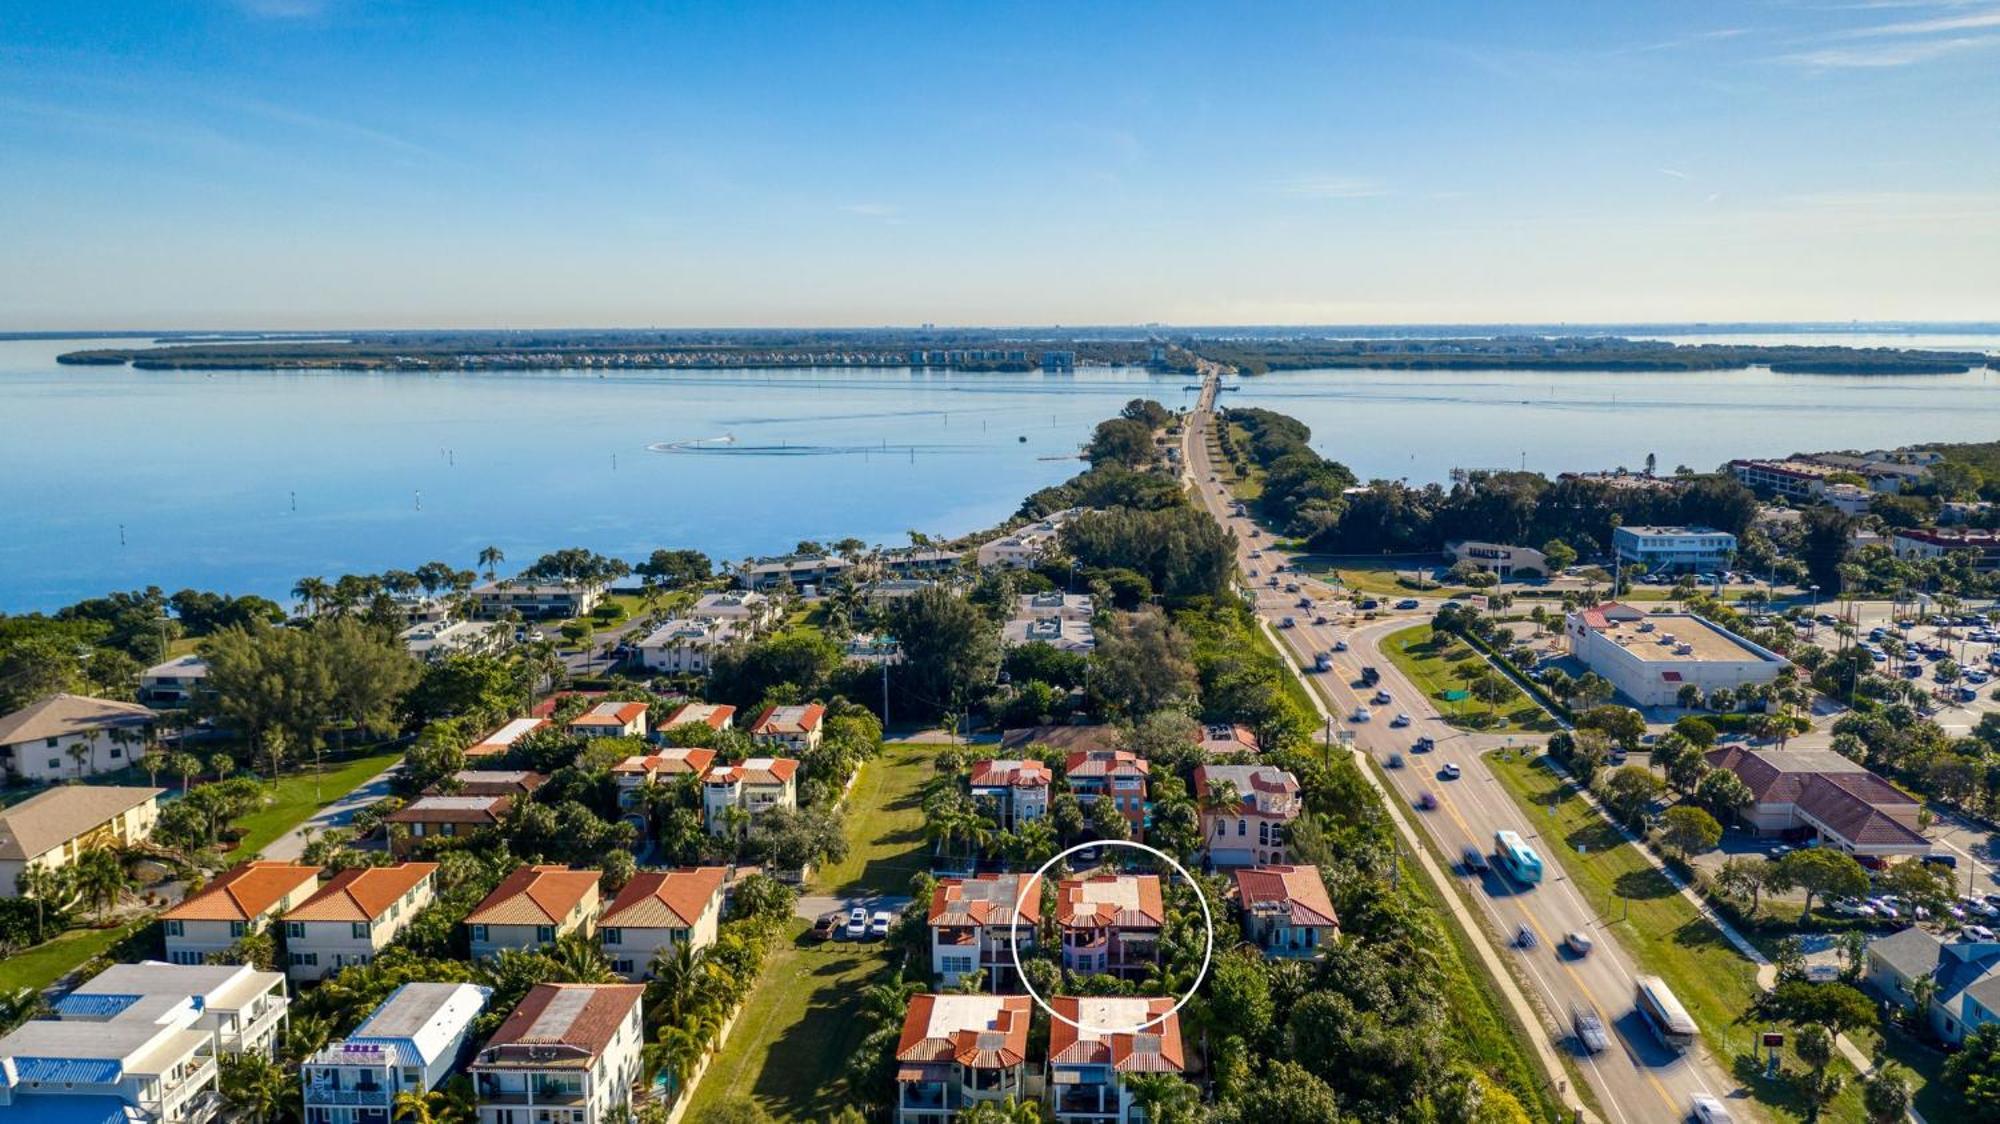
x=1035, y=880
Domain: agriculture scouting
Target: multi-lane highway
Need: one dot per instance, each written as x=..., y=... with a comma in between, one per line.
x=1636, y=1080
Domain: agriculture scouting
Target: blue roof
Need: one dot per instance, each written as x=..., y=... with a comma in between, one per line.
x=59, y=1109
x=73, y=1071
x=97, y=1005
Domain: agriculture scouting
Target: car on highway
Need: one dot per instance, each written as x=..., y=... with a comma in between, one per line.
x=1256, y=554
x=1423, y=745
x=1291, y=587
x=1395, y=761
x=1474, y=860
x=857, y=924
x=1322, y=662
x=1589, y=1029
x=1319, y=620
x=1524, y=937
x=1407, y=603
x=1360, y=715
x=1382, y=698
x=1340, y=645
x=1400, y=720
x=1253, y=571
x=1426, y=802
x=1450, y=772
x=1578, y=943
x=1287, y=622
x=878, y=925
x=1303, y=602
x=827, y=925
x=1705, y=1109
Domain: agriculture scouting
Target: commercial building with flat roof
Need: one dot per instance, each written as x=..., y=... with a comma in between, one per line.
x=1649, y=658
x=1673, y=549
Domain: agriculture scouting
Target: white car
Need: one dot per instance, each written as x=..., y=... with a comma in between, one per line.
x=878, y=926
x=1400, y=720
x=1709, y=1110
x=1360, y=714
x=1450, y=772
x=857, y=924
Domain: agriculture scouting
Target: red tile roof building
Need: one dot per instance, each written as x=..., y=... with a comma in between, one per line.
x=1286, y=910
x=1820, y=791
x=959, y=1049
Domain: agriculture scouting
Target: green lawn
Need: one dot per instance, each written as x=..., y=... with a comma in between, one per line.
x=1661, y=929
x=1431, y=661
x=298, y=797
x=49, y=961
x=885, y=824
x=797, y=1032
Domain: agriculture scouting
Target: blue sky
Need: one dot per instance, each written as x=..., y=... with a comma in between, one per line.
x=325, y=163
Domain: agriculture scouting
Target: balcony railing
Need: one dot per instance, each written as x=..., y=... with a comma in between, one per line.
x=376, y=1096
x=932, y=1097
x=1086, y=1100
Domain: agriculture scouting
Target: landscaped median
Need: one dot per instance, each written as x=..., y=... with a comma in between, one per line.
x=1432, y=662
x=1663, y=931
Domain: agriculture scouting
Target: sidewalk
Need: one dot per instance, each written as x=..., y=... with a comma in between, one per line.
x=292, y=844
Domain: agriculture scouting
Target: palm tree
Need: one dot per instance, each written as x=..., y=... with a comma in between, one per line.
x=681, y=1047
x=1923, y=990
x=253, y=1085
x=490, y=559
x=187, y=765
x=79, y=752
x=312, y=593
x=578, y=960
x=101, y=877
x=46, y=886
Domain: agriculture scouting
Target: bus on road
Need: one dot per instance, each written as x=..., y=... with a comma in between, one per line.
x=1515, y=857
x=1664, y=1014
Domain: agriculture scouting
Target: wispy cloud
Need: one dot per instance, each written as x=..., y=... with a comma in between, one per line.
x=1676, y=173
x=1971, y=21
x=1693, y=39
x=882, y=212
x=1878, y=55
x=1332, y=187
x=283, y=9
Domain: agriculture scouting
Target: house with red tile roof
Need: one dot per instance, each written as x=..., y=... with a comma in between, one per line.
x=658, y=911
x=1093, y=1046
x=354, y=916
x=1222, y=739
x=1012, y=792
x=789, y=729
x=664, y=767
x=568, y=1048
x=958, y=1050
x=1116, y=775
x=1111, y=923
x=240, y=901
x=517, y=783
x=498, y=742
x=611, y=720
x=533, y=906
x=1252, y=831
x=1286, y=910
x=443, y=817
x=1821, y=793
x=715, y=716
x=969, y=924
x=756, y=786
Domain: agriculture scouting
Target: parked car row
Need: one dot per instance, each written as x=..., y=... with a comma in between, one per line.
x=856, y=925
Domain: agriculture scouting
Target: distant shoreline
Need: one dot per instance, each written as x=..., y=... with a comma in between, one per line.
x=432, y=353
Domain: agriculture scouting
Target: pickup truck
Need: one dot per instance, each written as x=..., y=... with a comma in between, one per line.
x=1370, y=676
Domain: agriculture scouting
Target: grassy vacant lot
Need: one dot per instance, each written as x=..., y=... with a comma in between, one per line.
x=796, y=1033
x=885, y=824
x=1432, y=661
x=49, y=961
x=1662, y=931
x=294, y=800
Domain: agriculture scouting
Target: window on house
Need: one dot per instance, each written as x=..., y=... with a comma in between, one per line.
x=295, y=929
x=479, y=933
x=1242, y=828
x=614, y=936
x=360, y=930
x=237, y=929
x=545, y=933
x=175, y=929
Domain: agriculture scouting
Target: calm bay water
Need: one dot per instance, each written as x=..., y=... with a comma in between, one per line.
x=201, y=471
x=394, y=470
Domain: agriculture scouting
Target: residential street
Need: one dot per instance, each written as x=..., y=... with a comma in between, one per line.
x=337, y=814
